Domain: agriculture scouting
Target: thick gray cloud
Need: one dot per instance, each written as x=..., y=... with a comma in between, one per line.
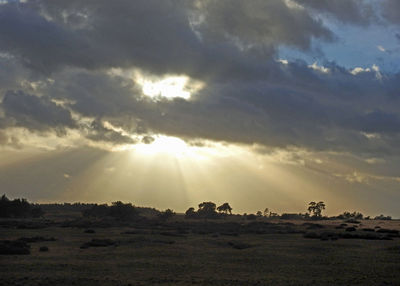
x=158, y=36
x=391, y=10
x=36, y=113
x=359, y=12
x=258, y=22
x=231, y=46
x=97, y=132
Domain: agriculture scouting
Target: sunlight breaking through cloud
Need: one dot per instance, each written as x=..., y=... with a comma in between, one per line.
x=168, y=87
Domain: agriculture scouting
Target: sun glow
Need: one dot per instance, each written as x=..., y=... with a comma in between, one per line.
x=164, y=144
x=177, y=148
x=169, y=87
x=157, y=87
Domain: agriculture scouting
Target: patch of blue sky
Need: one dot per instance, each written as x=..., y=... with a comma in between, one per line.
x=354, y=46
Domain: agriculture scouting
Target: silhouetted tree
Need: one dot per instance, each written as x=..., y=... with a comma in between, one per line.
x=96, y=211
x=382, y=217
x=259, y=214
x=225, y=208
x=207, y=210
x=347, y=215
x=273, y=215
x=190, y=213
x=266, y=212
x=251, y=217
x=122, y=211
x=117, y=210
x=292, y=216
x=165, y=215
x=316, y=208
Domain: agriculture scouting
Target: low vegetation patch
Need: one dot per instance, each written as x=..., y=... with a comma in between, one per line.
x=98, y=243
x=239, y=245
x=36, y=239
x=14, y=247
x=43, y=249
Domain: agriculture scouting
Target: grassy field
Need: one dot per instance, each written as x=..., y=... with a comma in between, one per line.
x=190, y=252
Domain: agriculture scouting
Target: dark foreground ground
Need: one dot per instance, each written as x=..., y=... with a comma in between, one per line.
x=187, y=252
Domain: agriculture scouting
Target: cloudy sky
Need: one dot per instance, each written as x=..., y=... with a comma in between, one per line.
x=261, y=103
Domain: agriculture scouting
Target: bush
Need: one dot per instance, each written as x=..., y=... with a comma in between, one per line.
x=117, y=210
x=14, y=247
x=311, y=235
x=190, y=213
x=37, y=212
x=165, y=215
x=251, y=217
x=239, y=245
x=382, y=217
x=353, y=215
x=313, y=225
x=391, y=231
x=98, y=243
x=292, y=216
x=36, y=239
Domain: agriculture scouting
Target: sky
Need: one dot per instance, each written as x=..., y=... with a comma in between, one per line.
x=259, y=103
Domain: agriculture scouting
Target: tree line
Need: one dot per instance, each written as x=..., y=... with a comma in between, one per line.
x=21, y=208
x=18, y=208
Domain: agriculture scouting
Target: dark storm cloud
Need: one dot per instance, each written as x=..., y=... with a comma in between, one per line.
x=231, y=46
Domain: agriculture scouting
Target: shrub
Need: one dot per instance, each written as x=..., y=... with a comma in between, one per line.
x=292, y=216
x=165, y=215
x=382, y=217
x=190, y=213
x=251, y=217
x=353, y=215
x=239, y=245
x=313, y=225
x=14, y=247
x=117, y=210
x=98, y=243
x=311, y=235
x=391, y=231
x=328, y=235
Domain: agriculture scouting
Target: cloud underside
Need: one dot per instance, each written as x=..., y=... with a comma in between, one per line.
x=61, y=58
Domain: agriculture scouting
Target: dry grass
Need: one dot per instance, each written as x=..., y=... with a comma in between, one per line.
x=148, y=256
